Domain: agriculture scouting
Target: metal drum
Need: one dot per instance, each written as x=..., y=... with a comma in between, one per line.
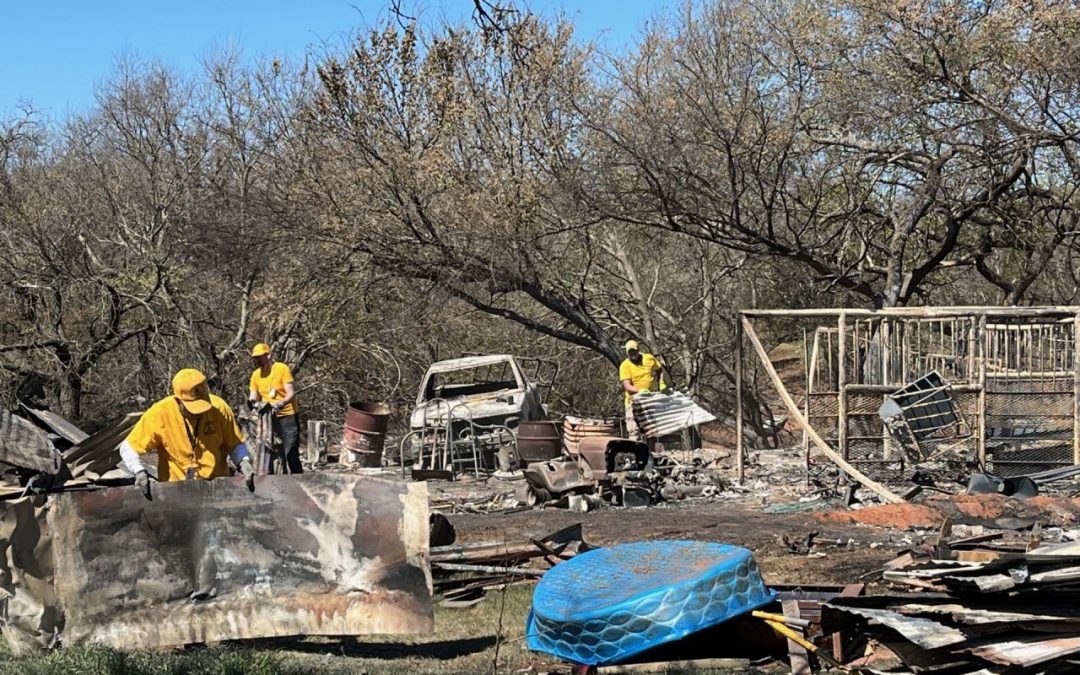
x=365, y=432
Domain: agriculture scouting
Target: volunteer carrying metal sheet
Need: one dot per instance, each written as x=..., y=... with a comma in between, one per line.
x=639, y=371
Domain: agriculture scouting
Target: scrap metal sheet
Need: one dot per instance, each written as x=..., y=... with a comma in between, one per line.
x=29, y=616
x=314, y=554
x=659, y=414
x=1029, y=651
x=25, y=446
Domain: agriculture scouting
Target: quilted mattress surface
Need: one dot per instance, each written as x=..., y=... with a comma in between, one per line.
x=607, y=605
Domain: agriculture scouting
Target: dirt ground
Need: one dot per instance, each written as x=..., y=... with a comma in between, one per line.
x=725, y=522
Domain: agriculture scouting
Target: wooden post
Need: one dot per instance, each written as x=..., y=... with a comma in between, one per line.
x=841, y=383
x=797, y=654
x=740, y=466
x=1076, y=389
x=970, y=351
x=316, y=441
x=886, y=340
x=796, y=414
x=982, y=347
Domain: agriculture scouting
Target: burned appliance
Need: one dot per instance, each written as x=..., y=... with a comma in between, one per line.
x=616, y=469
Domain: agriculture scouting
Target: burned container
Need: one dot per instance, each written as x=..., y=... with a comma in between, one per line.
x=538, y=441
x=576, y=428
x=365, y=432
x=603, y=455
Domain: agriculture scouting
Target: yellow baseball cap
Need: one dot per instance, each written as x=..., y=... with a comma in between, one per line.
x=189, y=385
x=261, y=349
x=631, y=345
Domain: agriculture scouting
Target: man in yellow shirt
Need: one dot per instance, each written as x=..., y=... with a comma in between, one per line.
x=272, y=383
x=639, y=371
x=192, y=431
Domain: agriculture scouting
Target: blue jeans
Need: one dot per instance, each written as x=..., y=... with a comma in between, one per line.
x=287, y=428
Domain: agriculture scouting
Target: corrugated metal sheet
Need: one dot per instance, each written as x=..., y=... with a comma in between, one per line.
x=925, y=633
x=663, y=413
x=313, y=554
x=1029, y=651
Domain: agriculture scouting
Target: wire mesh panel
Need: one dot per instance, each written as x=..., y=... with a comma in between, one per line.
x=1029, y=396
x=824, y=411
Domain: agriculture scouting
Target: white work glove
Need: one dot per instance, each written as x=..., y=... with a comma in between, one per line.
x=277, y=407
x=142, y=481
x=248, y=472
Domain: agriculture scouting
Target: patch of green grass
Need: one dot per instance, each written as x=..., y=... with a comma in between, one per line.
x=105, y=661
x=470, y=640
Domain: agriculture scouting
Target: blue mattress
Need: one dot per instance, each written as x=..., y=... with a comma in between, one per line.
x=607, y=605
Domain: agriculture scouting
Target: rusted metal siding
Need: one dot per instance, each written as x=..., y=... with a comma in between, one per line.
x=314, y=554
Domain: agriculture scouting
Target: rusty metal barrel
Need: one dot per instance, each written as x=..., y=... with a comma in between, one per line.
x=365, y=432
x=576, y=428
x=538, y=441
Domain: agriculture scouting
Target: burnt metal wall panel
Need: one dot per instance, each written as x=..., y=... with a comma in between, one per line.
x=29, y=615
x=315, y=554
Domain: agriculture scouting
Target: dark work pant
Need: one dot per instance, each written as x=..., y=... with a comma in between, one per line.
x=287, y=428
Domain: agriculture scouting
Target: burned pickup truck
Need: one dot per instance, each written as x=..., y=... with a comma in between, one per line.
x=467, y=410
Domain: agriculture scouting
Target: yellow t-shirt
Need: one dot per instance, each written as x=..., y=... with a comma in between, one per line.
x=163, y=428
x=271, y=387
x=643, y=377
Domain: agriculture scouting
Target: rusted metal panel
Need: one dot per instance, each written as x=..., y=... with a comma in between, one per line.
x=1028, y=651
x=311, y=554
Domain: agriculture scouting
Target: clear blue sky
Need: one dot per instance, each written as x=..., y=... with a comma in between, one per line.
x=53, y=52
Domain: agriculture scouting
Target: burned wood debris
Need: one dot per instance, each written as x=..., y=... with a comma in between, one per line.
x=465, y=573
x=1015, y=615
x=42, y=452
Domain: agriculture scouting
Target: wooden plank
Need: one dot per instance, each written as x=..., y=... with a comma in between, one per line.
x=800, y=659
x=797, y=415
x=850, y=591
x=489, y=569
x=978, y=555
